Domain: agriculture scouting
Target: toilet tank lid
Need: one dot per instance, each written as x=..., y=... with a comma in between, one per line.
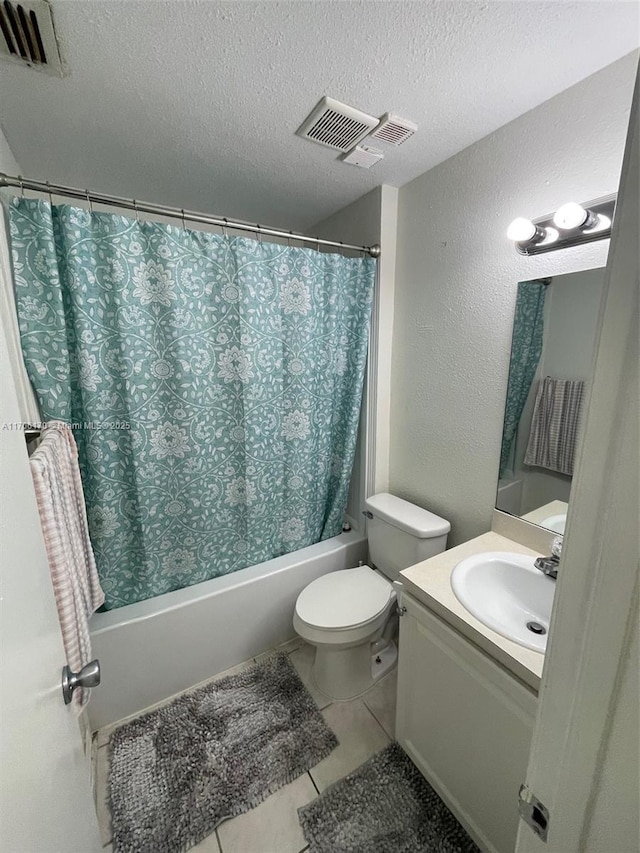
x=407, y=516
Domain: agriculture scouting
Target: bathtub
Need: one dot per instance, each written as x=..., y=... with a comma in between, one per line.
x=155, y=648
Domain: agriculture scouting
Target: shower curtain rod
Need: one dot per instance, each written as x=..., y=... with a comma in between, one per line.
x=176, y=212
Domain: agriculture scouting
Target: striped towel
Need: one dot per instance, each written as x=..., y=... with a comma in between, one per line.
x=56, y=478
x=555, y=425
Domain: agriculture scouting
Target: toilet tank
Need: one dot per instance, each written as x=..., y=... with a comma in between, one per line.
x=401, y=534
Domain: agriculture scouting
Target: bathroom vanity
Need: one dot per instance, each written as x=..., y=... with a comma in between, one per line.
x=467, y=698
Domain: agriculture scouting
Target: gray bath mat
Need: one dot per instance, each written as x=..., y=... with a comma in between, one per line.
x=179, y=771
x=385, y=806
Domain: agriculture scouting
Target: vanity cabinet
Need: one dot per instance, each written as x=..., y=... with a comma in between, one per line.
x=466, y=723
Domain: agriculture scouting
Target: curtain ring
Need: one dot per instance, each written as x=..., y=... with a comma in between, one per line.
x=89, y=201
x=224, y=227
x=259, y=235
x=289, y=238
x=184, y=224
x=135, y=207
x=21, y=186
x=49, y=191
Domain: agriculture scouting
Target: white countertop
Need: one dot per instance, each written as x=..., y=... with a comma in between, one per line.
x=537, y=516
x=429, y=582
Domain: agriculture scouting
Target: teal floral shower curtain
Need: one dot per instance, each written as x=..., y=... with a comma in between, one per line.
x=526, y=348
x=215, y=384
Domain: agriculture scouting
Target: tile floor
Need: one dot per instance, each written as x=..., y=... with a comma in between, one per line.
x=363, y=727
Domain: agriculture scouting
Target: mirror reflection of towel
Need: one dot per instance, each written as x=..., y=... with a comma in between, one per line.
x=555, y=425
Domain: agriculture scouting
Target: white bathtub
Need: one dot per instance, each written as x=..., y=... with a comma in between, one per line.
x=155, y=648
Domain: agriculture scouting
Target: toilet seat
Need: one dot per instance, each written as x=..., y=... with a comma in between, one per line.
x=344, y=600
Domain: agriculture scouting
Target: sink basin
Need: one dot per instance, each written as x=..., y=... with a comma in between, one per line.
x=555, y=522
x=507, y=593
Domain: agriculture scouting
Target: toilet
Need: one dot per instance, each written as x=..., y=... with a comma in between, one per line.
x=350, y=615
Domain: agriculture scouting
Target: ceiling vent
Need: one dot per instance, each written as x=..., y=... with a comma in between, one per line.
x=394, y=129
x=28, y=36
x=336, y=125
x=364, y=156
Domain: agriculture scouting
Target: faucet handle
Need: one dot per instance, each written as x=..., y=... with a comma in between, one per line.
x=556, y=547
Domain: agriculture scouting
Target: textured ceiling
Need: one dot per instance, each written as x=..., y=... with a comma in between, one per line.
x=195, y=104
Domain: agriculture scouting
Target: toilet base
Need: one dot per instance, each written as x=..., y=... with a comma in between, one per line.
x=383, y=661
x=348, y=673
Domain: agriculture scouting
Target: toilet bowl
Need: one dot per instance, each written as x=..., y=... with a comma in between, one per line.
x=350, y=615
x=344, y=615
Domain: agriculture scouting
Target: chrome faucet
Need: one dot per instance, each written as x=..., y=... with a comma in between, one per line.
x=549, y=565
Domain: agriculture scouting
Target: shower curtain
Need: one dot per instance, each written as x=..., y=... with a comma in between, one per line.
x=214, y=384
x=526, y=348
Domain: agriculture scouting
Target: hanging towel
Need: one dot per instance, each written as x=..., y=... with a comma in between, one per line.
x=56, y=478
x=554, y=428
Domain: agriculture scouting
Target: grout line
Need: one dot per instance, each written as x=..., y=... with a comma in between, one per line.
x=313, y=783
x=391, y=737
x=373, y=714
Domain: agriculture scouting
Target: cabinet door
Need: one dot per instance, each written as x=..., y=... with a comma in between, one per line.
x=466, y=723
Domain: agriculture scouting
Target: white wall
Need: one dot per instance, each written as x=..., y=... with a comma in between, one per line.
x=456, y=278
x=15, y=365
x=571, y=324
x=8, y=163
x=358, y=223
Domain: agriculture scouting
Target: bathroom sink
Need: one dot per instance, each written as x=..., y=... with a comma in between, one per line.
x=507, y=593
x=555, y=523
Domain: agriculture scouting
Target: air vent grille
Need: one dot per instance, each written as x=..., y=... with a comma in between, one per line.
x=336, y=125
x=394, y=130
x=28, y=36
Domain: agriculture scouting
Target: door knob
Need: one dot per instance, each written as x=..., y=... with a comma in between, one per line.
x=89, y=676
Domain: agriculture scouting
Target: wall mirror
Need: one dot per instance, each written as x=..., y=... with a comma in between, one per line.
x=552, y=354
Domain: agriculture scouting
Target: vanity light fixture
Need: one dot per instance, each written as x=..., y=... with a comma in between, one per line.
x=571, y=225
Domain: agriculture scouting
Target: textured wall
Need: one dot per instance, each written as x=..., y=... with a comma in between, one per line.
x=8, y=163
x=456, y=276
x=358, y=223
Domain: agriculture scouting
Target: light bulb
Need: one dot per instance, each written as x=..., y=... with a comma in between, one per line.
x=521, y=230
x=602, y=223
x=573, y=215
x=551, y=235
